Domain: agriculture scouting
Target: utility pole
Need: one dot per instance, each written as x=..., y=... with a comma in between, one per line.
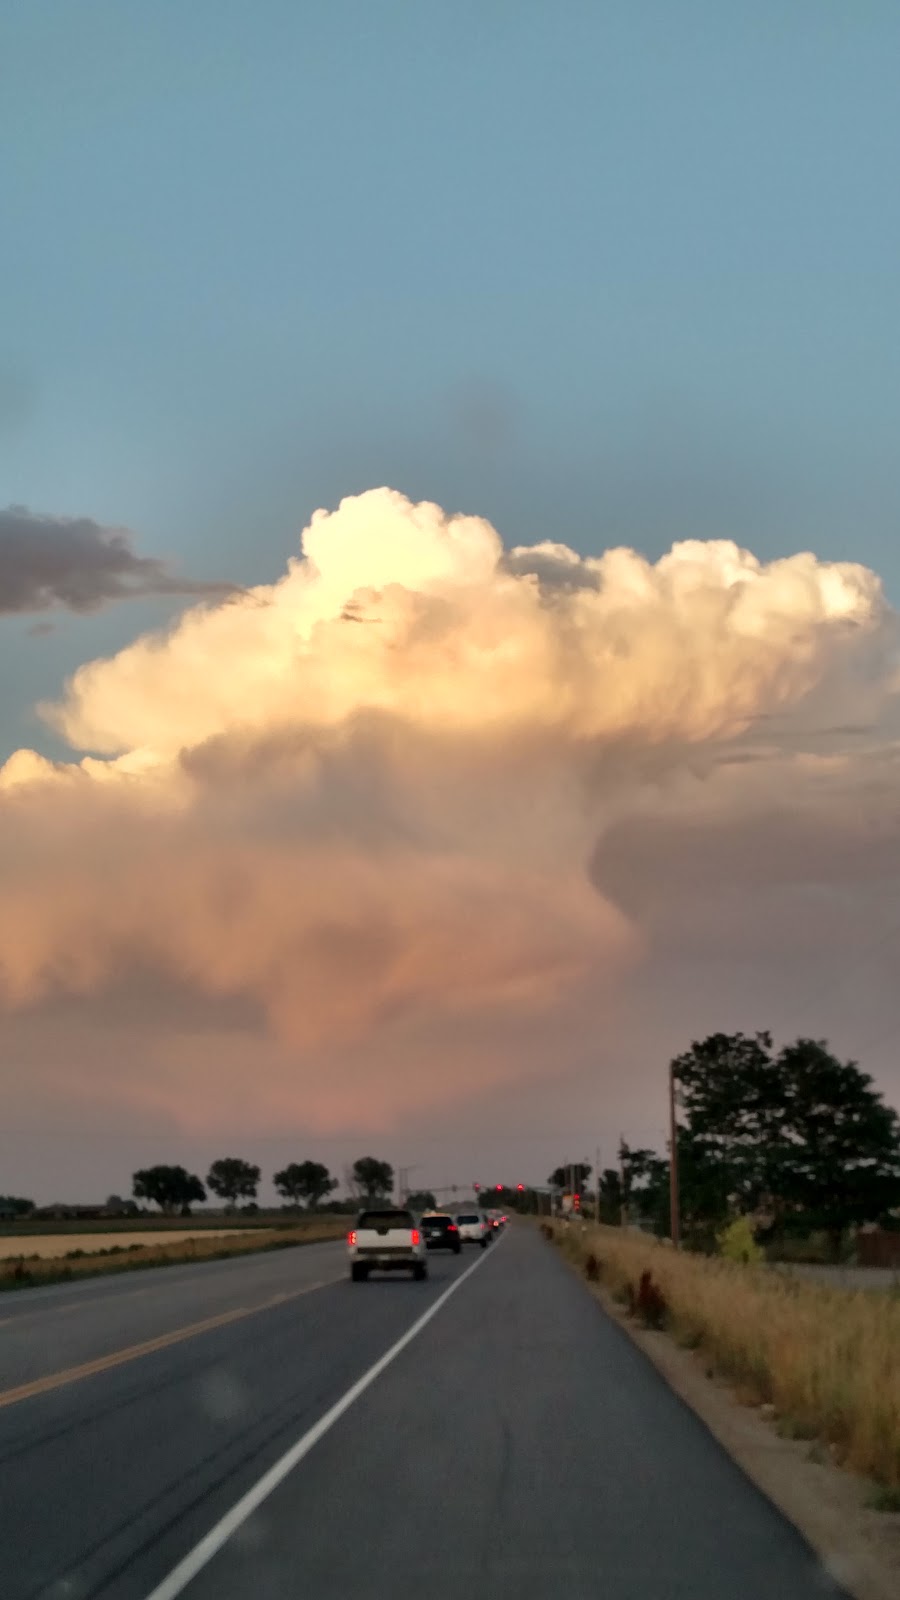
x=597, y=1171
x=403, y=1181
x=674, y=1200
x=623, y=1212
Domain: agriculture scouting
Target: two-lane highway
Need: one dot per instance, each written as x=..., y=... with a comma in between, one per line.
x=203, y=1430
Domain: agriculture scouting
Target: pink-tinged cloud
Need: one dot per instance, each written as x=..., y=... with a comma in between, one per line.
x=429, y=810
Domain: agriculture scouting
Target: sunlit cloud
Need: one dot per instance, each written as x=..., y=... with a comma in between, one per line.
x=423, y=785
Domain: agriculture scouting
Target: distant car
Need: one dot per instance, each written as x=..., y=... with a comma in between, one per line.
x=496, y=1220
x=386, y=1239
x=440, y=1231
x=474, y=1227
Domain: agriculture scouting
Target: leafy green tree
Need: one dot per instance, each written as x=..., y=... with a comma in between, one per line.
x=611, y=1197
x=802, y=1136
x=421, y=1200
x=576, y=1173
x=374, y=1179
x=171, y=1188
x=839, y=1155
x=304, y=1180
x=15, y=1205
x=733, y=1107
x=644, y=1186
x=233, y=1179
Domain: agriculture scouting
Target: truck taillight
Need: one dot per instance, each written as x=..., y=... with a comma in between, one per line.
x=351, y=1237
x=452, y=1228
x=415, y=1236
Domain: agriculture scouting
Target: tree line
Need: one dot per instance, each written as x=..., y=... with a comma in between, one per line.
x=796, y=1140
x=233, y=1180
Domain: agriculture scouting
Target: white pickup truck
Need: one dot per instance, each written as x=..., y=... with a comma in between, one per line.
x=386, y=1239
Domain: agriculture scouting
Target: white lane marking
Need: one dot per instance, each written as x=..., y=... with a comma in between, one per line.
x=212, y=1542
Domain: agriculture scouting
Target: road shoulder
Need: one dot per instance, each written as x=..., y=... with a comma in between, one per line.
x=860, y=1548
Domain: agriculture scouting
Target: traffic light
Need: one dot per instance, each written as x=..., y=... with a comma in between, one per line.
x=477, y=1188
x=521, y=1188
x=499, y=1188
x=576, y=1202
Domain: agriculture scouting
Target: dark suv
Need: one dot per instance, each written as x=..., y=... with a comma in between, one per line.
x=440, y=1232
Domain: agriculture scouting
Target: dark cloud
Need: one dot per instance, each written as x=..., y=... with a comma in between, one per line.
x=74, y=563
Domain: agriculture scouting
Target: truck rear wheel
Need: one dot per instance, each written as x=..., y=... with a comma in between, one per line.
x=420, y=1270
x=358, y=1272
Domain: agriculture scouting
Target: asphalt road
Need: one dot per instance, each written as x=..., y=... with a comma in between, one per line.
x=517, y=1447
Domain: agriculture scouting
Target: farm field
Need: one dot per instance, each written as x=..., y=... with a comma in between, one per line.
x=49, y=1245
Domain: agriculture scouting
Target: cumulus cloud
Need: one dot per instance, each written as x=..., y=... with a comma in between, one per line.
x=74, y=563
x=400, y=797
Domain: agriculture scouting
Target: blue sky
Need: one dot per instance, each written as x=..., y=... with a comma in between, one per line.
x=603, y=273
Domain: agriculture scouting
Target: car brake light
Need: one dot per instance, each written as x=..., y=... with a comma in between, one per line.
x=415, y=1236
x=452, y=1228
x=351, y=1237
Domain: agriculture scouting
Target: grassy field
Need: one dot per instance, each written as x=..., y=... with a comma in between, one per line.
x=62, y=1244
x=24, y=1227
x=30, y=1269
x=827, y=1360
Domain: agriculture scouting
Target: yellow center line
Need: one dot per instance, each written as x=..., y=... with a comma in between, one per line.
x=43, y=1311
x=133, y=1352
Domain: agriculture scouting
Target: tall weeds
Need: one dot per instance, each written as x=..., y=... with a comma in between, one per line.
x=827, y=1359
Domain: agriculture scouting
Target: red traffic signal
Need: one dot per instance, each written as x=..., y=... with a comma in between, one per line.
x=499, y=1187
x=477, y=1187
x=521, y=1188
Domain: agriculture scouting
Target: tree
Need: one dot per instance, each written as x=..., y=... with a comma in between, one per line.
x=421, y=1200
x=839, y=1154
x=575, y=1174
x=304, y=1180
x=733, y=1104
x=15, y=1205
x=374, y=1179
x=233, y=1179
x=644, y=1187
x=171, y=1188
x=801, y=1136
x=611, y=1197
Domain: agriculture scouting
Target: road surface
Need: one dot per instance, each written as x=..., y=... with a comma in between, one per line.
x=516, y=1447
x=852, y=1278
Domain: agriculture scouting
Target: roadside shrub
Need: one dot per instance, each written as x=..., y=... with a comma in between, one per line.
x=738, y=1243
x=647, y=1302
x=592, y=1268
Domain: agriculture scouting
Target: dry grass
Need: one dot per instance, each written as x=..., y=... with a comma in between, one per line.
x=827, y=1360
x=62, y=1244
x=26, y=1271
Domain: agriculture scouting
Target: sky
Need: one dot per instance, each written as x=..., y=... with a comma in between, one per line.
x=448, y=554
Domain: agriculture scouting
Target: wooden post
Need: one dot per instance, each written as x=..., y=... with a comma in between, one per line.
x=674, y=1199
